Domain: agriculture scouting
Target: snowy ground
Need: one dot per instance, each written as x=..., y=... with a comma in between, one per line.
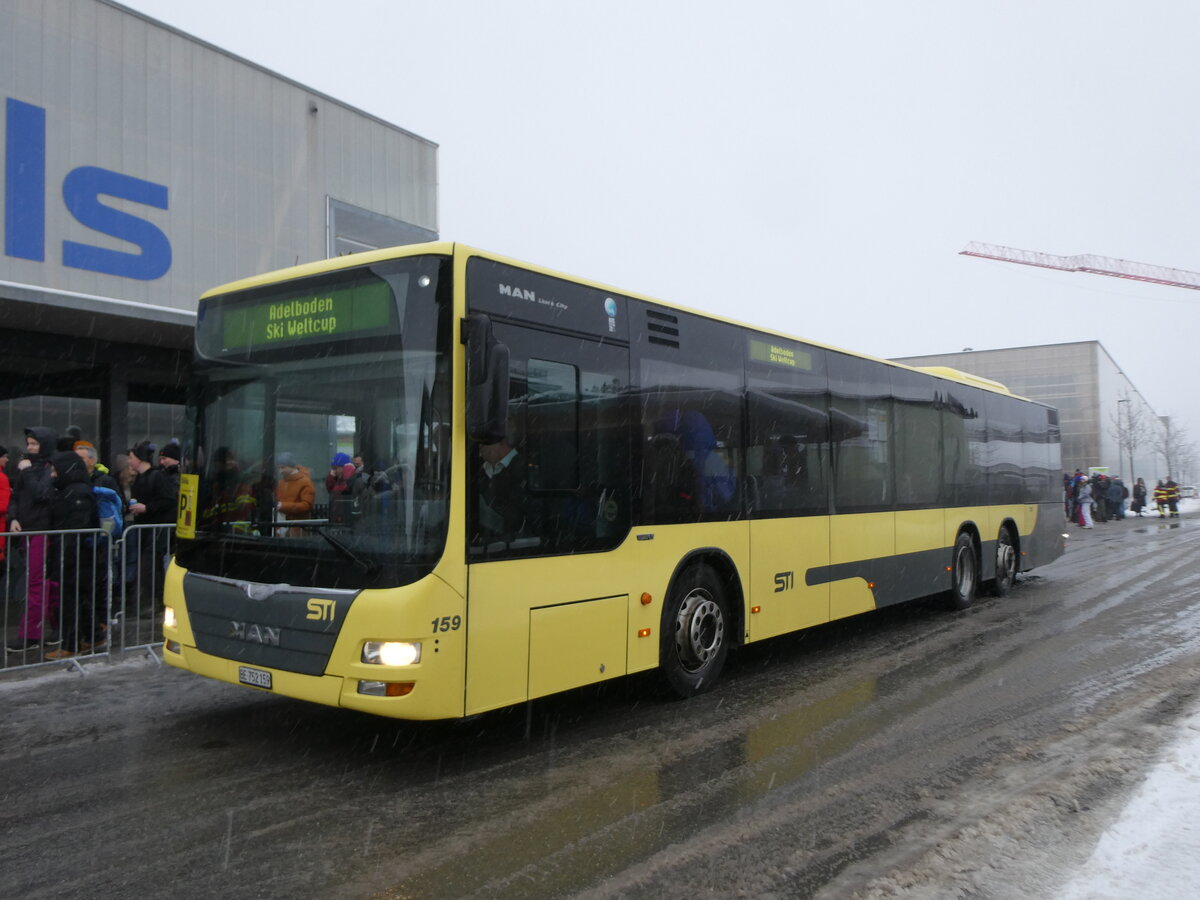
x=1151, y=850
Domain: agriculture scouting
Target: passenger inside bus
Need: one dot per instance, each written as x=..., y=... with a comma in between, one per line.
x=232, y=493
x=669, y=482
x=294, y=492
x=500, y=487
x=715, y=482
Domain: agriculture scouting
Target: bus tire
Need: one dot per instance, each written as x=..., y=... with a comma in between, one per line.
x=695, y=632
x=964, y=576
x=1006, y=563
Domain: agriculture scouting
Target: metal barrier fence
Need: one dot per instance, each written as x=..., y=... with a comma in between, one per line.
x=72, y=595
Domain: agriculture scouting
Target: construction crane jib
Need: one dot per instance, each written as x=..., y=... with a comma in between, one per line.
x=1095, y=265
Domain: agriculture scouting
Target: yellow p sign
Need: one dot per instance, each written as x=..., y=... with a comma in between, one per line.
x=185, y=521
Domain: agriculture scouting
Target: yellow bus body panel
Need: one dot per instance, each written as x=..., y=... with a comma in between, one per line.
x=523, y=602
x=785, y=549
x=920, y=529
x=591, y=595
x=852, y=538
x=576, y=644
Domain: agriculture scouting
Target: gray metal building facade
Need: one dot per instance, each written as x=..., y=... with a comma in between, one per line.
x=142, y=167
x=1090, y=391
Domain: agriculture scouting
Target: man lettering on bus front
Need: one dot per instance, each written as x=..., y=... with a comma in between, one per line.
x=501, y=488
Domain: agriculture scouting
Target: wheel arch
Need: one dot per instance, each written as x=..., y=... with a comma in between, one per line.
x=968, y=526
x=1011, y=524
x=722, y=563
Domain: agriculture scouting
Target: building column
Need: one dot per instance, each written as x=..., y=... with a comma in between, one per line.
x=114, y=412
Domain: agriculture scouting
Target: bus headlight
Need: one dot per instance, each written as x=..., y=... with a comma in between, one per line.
x=391, y=653
x=169, y=617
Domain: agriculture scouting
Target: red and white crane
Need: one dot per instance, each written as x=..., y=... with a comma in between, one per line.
x=1087, y=262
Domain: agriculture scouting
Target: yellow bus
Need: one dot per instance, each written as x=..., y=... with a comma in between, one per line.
x=429, y=481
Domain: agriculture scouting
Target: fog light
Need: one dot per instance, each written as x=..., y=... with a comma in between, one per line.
x=169, y=617
x=391, y=653
x=172, y=646
x=385, y=688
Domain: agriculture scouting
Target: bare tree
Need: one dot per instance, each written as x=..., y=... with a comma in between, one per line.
x=1129, y=429
x=1189, y=453
x=1174, y=446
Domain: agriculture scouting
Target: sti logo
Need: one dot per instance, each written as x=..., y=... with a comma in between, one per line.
x=25, y=205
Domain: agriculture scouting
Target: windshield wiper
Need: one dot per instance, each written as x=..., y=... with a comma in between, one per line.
x=367, y=566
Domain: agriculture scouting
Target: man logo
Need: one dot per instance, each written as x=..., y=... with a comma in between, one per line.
x=520, y=293
x=254, y=634
x=320, y=610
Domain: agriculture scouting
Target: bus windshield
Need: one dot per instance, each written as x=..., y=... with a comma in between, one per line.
x=320, y=415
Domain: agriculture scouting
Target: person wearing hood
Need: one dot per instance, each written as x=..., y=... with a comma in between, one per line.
x=294, y=492
x=74, y=510
x=31, y=510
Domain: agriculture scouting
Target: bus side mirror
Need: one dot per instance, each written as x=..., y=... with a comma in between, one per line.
x=487, y=381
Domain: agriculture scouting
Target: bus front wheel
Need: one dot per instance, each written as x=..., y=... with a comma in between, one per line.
x=965, y=572
x=695, y=635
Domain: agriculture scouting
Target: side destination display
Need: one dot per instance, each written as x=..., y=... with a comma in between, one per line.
x=778, y=353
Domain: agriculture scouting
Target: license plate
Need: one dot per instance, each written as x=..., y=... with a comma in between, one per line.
x=254, y=677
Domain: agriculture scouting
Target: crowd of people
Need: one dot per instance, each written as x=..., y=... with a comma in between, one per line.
x=59, y=485
x=59, y=506
x=351, y=487
x=1088, y=499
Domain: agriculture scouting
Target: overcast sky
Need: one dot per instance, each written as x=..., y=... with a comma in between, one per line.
x=808, y=166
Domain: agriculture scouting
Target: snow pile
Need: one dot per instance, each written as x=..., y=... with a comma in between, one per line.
x=1151, y=850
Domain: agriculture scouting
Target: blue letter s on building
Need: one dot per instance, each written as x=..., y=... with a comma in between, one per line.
x=25, y=205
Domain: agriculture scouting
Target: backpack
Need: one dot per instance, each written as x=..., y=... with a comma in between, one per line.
x=109, y=507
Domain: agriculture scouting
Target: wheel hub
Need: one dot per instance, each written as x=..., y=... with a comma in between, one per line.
x=964, y=570
x=1006, y=557
x=699, y=630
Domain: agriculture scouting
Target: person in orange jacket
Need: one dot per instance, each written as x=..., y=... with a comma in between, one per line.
x=294, y=491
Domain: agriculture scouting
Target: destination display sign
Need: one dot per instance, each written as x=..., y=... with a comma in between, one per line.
x=336, y=313
x=778, y=353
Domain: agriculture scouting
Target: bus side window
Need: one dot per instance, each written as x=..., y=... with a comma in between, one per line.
x=788, y=428
x=668, y=482
x=690, y=383
x=569, y=429
x=861, y=407
x=552, y=438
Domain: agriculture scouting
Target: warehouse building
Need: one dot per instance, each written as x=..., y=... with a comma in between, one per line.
x=1097, y=402
x=143, y=166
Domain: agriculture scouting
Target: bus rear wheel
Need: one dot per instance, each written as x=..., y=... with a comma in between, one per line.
x=1006, y=563
x=695, y=637
x=964, y=579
